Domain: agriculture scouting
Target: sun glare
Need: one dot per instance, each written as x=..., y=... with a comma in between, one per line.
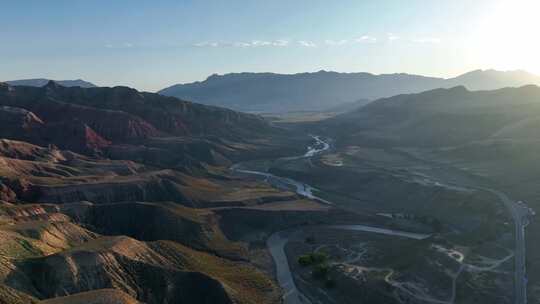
x=507, y=36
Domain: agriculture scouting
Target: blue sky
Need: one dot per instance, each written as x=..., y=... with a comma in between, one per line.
x=152, y=44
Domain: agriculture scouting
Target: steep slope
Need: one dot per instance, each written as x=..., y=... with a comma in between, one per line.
x=33, y=173
x=126, y=124
x=442, y=117
x=100, y=296
x=268, y=92
x=492, y=79
x=141, y=114
x=19, y=123
x=109, y=195
x=45, y=255
x=177, y=254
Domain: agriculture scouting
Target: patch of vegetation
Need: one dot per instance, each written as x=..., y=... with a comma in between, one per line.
x=305, y=260
x=321, y=268
x=313, y=259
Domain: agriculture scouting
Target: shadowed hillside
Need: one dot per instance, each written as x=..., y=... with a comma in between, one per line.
x=268, y=92
x=442, y=117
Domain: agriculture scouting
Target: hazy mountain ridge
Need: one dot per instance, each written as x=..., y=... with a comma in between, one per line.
x=443, y=116
x=269, y=92
x=40, y=82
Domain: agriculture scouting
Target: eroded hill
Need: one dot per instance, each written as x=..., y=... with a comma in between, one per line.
x=109, y=195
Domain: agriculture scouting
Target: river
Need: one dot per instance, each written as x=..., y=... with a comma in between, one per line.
x=277, y=241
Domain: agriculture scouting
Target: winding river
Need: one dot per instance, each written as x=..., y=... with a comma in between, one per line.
x=300, y=188
x=277, y=241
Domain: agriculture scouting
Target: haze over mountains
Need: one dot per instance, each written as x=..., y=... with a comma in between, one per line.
x=444, y=117
x=40, y=82
x=269, y=92
x=103, y=188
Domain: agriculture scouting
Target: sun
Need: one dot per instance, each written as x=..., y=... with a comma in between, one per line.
x=507, y=36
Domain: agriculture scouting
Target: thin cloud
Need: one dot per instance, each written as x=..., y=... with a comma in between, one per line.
x=336, y=42
x=207, y=44
x=126, y=45
x=309, y=44
x=244, y=44
x=281, y=42
x=240, y=44
x=366, y=39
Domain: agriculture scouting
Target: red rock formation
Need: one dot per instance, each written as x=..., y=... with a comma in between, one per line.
x=74, y=135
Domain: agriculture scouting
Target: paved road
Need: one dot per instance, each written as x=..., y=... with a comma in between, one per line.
x=276, y=242
x=519, y=215
x=276, y=245
x=405, y=234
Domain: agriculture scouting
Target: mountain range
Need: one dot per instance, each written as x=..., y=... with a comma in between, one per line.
x=121, y=196
x=40, y=82
x=443, y=117
x=269, y=92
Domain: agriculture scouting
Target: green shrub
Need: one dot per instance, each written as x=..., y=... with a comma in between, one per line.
x=305, y=260
x=319, y=258
x=314, y=258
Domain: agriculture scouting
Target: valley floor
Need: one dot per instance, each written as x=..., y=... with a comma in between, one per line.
x=471, y=256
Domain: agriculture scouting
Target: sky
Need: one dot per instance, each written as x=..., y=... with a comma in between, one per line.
x=150, y=45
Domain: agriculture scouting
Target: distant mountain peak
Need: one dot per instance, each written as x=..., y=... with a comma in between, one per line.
x=52, y=85
x=459, y=88
x=41, y=82
x=322, y=90
x=479, y=72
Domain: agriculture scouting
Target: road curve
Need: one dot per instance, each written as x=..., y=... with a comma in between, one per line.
x=277, y=241
x=519, y=214
x=276, y=245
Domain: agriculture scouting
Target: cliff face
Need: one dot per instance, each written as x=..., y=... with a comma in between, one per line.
x=130, y=108
x=125, y=263
x=123, y=123
x=58, y=251
x=109, y=195
x=19, y=123
x=45, y=254
x=173, y=248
